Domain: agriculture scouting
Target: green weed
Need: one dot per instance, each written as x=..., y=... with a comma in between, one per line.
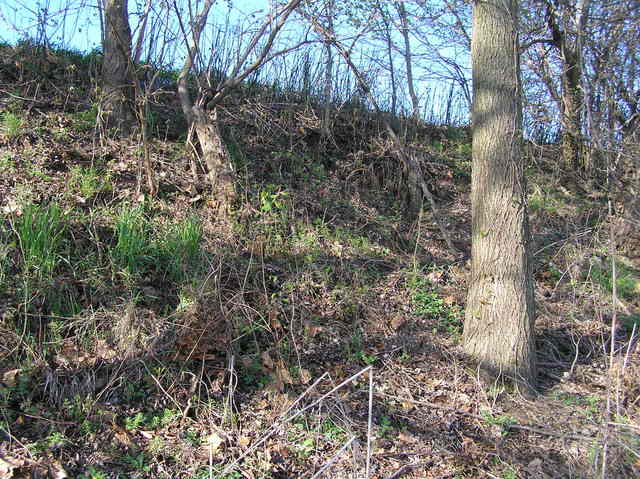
x=430, y=305
x=150, y=420
x=181, y=247
x=77, y=408
x=89, y=181
x=5, y=259
x=138, y=462
x=93, y=473
x=272, y=199
x=86, y=120
x=40, y=232
x=133, y=243
x=628, y=322
x=627, y=280
x=7, y=164
x=504, y=421
x=386, y=426
x=333, y=432
x=134, y=422
x=356, y=349
x=11, y=125
x=588, y=405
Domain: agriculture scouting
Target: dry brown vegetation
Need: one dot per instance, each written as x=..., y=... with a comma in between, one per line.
x=148, y=337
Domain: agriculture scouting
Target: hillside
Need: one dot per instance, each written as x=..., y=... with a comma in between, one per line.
x=150, y=337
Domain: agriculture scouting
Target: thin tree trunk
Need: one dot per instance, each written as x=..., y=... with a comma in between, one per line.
x=392, y=70
x=328, y=73
x=572, y=117
x=117, y=77
x=499, y=318
x=404, y=24
x=571, y=80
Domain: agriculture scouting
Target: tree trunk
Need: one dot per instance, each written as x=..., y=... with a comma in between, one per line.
x=117, y=78
x=216, y=156
x=559, y=18
x=499, y=320
x=408, y=60
x=328, y=73
x=572, y=117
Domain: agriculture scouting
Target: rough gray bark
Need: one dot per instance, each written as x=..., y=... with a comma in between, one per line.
x=117, y=77
x=499, y=321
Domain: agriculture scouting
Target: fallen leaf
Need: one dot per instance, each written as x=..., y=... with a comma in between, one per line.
x=122, y=436
x=276, y=385
x=213, y=441
x=9, y=377
x=435, y=276
x=8, y=464
x=407, y=406
x=244, y=441
x=397, y=322
x=311, y=329
x=273, y=319
x=283, y=373
x=305, y=376
x=266, y=360
x=56, y=471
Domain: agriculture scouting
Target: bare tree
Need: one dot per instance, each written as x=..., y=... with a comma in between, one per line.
x=408, y=60
x=499, y=320
x=202, y=113
x=566, y=22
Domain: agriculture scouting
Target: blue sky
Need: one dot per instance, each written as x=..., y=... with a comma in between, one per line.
x=75, y=24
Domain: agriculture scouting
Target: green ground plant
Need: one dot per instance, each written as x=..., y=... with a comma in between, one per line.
x=429, y=304
x=86, y=120
x=12, y=125
x=89, y=181
x=627, y=280
x=502, y=420
x=181, y=248
x=40, y=231
x=138, y=462
x=5, y=259
x=133, y=240
x=93, y=473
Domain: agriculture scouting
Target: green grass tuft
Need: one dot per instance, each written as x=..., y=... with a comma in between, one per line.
x=89, y=181
x=40, y=232
x=131, y=251
x=11, y=125
x=181, y=248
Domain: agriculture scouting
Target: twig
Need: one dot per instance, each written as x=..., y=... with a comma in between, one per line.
x=273, y=428
x=369, y=424
x=534, y=429
x=408, y=467
x=333, y=458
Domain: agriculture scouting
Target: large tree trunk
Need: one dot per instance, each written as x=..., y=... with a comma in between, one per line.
x=117, y=78
x=499, y=321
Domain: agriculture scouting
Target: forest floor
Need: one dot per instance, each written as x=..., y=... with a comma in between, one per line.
x=154, y=338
